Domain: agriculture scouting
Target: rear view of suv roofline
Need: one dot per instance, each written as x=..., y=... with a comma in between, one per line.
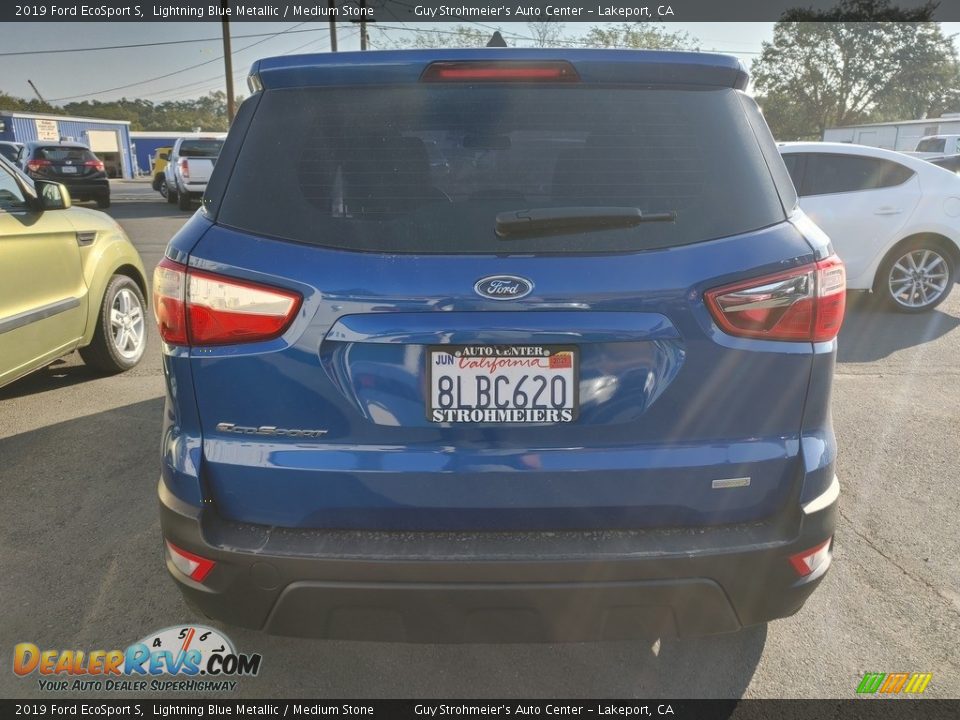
x=635, y=67
x=685, y=482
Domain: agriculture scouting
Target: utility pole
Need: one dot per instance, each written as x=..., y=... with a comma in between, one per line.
x=363, y=25
x=228, y=60
x=37, y=92
x=332, y=4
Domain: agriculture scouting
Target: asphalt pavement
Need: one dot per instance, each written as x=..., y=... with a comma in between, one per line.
x=81, y=557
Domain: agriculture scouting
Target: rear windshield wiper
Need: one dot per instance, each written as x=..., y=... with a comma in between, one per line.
x=559, y=221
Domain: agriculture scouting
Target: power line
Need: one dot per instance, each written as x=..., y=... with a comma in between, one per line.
x=571, y=42
x=54, y=51
x=178, y=90
x=175, y=72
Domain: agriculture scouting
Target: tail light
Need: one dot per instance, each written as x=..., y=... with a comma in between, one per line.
x=810, y=560
x=803, y=305
x=503, y=71
x=200, y=308
x=193, y=566
x=37, y=165
x=95, y=164
x=184, y=168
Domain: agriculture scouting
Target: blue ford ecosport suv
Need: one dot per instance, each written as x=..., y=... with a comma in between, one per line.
x=498, y=345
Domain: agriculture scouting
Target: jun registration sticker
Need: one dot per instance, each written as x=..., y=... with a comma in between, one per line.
x=502, y=383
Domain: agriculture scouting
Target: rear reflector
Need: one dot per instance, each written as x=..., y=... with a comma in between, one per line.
x=802, y=305
x=193, y=566
x=809, y=560
x=503, y=71
x=199, y=308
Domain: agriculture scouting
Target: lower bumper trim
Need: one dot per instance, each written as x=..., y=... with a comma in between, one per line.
x=645, y=585
x=513, y=612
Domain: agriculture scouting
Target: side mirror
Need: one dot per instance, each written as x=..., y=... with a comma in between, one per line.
x=52, y=195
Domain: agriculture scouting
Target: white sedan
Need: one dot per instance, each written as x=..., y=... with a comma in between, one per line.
x=893, y=219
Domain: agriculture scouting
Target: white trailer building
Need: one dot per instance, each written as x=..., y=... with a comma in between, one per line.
x=902, y=135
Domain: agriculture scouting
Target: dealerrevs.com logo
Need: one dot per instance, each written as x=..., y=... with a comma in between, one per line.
x=186, y=658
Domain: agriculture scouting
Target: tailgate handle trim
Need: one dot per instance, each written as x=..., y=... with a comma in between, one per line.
x=435, y=328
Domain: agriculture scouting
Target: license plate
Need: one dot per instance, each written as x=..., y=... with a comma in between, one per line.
x=502, y=383
x=68, y=169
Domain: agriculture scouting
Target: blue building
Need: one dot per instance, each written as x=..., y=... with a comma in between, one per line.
x=145, y=144
x=109, y=139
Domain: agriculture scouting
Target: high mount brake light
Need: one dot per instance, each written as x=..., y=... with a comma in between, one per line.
x=500, y=71
x=805, y=304
x=194, y=308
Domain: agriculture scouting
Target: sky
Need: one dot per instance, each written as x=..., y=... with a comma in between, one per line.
x=189, y=70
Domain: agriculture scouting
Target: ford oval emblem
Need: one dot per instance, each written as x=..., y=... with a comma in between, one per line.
x=503, y=287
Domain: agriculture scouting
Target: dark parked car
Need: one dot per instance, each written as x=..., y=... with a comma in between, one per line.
x=498, y=345
x=10, y=150
x=72, y=164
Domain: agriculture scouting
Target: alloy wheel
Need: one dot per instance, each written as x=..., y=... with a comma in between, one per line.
x=919, y=278
x=127, y=327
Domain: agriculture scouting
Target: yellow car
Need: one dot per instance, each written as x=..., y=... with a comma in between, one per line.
x=161, y=157
x=69, y=279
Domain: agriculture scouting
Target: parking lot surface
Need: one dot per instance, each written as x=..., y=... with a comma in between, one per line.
x=82, y=566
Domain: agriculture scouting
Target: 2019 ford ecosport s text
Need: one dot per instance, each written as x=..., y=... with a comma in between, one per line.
x=498, y=344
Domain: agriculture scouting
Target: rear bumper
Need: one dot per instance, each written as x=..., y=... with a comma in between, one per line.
x=89, y=188
x=192, y=188
x=80, y=188
x=506, y=586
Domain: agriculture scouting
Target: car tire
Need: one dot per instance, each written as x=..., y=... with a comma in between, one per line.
x=916, y=276
x=103, y=202
x=121, y=334
x=184, y=201
x=162, y=187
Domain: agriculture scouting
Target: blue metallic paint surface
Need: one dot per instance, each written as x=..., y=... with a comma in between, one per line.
x=669, y=402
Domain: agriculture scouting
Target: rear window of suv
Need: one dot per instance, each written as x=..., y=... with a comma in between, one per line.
x=426, y=168
x=63, y=154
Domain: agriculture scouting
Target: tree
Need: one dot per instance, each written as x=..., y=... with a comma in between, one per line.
x=546, y=34
x=815, y=75
x=208, y=112
x=639, y=36
x=460, y=36
x=863, y=11
x=9, y=102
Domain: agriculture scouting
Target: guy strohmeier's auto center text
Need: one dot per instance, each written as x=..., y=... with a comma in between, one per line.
x=525, y=12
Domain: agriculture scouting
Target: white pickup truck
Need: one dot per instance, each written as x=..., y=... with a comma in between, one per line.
x=188, y=170
x=936, y=146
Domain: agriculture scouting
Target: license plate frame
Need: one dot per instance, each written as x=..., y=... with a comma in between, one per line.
x=511, y=352
x=69, y=170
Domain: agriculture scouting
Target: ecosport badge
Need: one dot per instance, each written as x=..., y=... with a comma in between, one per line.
x=269, y=430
